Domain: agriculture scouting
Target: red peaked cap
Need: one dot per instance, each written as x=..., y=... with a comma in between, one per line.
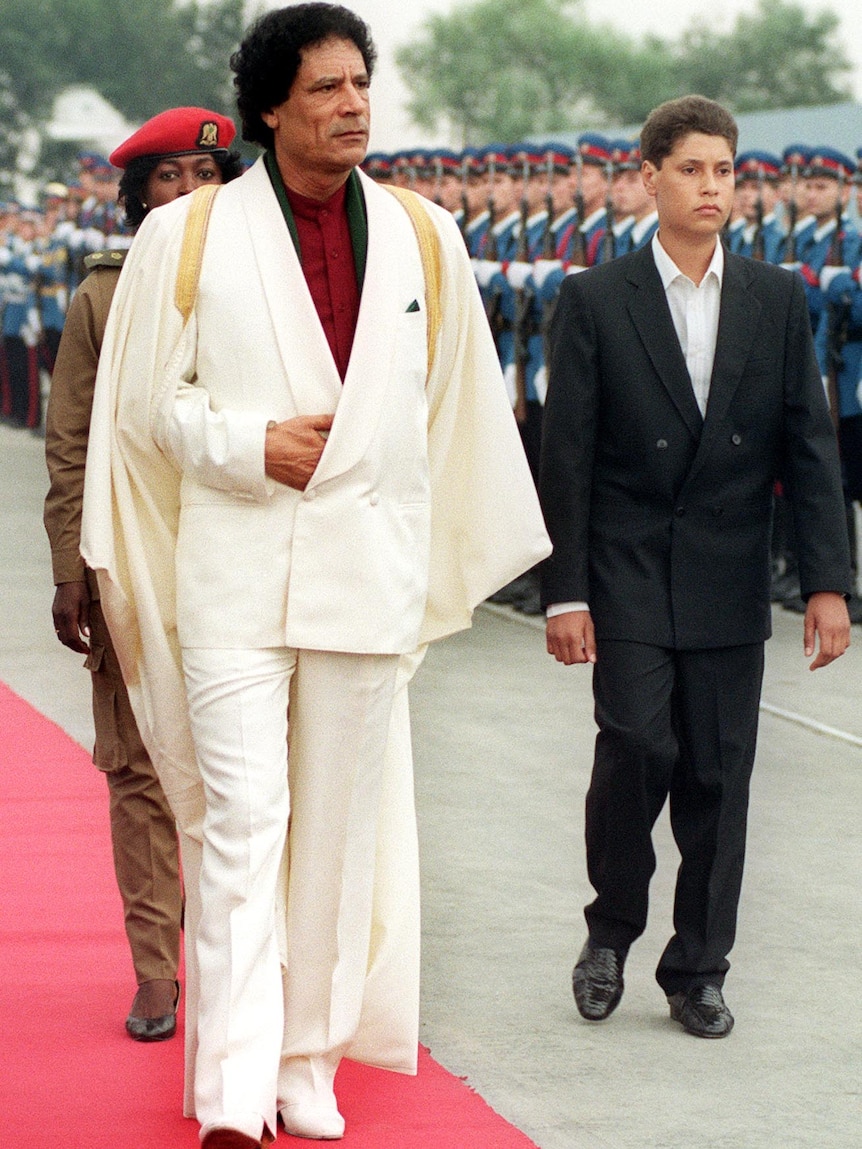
x=177, y=132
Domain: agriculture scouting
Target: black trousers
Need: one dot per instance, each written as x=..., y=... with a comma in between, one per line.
x=683, y=724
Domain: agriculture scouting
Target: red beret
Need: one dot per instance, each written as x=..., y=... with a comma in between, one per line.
x=177, y=132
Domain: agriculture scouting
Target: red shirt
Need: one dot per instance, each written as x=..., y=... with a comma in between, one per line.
x=329, y=268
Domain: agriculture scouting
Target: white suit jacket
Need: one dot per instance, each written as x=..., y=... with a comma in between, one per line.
x=422, y=504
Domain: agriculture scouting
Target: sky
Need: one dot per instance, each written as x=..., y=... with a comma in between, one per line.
x=393, y=22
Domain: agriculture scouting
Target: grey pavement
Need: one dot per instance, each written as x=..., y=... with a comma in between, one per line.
x=503, y=742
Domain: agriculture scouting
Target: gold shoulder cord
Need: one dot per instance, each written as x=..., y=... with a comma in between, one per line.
x=192, y=251
x=429, y=251
x=191, y=256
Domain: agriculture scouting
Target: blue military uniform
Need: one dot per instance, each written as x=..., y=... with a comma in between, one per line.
x=764, y=238
x=19, y=270
x=826, y=244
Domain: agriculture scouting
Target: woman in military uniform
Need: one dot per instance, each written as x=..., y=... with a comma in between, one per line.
x=171, y=155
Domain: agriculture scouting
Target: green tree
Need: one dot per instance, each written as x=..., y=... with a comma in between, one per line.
x=494, y=69
x=779, y=56
x=142, y=57
x=499, y=69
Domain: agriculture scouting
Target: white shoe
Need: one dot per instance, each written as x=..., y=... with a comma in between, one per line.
x=315, y=1119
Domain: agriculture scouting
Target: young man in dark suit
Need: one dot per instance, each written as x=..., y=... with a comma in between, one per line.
x=683, y=383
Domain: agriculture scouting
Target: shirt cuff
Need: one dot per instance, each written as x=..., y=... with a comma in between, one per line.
x=556, y=608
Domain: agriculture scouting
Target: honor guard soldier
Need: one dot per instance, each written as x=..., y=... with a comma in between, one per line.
x=791, y=213
x=558, y=216
x=593, y=162
x=797, y=223
x=838, y=343
x=19, y=268
x=446, y=183
x=474, y=201
x=631, y=207
x=53, y=273
x=403, y=174
x=559, y=198
x=761, y=237
x=501, y=201
x=423, y=173
x=498, y=246
x=578, y=239
x=520, y=343
x=830, y=240
x=824, y=243
x=378, y=167
x=736, y=222
x=527, y=168
x=88, y=163
x=544, y=284
x=631, y=198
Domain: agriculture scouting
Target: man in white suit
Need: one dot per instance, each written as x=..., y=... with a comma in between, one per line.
x=292, y=491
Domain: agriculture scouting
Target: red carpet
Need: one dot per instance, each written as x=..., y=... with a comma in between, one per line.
x=71, y=1077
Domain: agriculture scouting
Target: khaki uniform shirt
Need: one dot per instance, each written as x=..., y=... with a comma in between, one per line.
x=67, y=424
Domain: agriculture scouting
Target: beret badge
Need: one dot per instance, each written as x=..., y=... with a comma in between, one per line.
x=208, y=137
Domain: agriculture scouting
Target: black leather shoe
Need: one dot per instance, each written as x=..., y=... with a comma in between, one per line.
x=154, y=1028
x=701, y=1011
x=597, y=980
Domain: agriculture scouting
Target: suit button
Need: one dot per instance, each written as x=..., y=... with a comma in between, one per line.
x=661, y=445
x=679, y=512
x=375, y=499
x=736, y=440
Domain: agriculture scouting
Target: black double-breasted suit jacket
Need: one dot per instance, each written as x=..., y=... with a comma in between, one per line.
x=661, y=519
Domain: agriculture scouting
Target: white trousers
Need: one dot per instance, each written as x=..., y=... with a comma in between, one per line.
x=281, y=982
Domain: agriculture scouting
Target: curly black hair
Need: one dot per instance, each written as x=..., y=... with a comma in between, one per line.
x=266, y=63
x=134, y=181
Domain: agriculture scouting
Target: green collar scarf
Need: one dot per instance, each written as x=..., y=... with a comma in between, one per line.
x=354, y=202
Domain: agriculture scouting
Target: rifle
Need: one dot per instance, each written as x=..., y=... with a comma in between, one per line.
x=837, y=314
x=835, y=256
x=464, y=201
x=609, y=238
x=758, y=250
x=579, y=243
x=548, y=250
x=523, y=302
x=438, y=181
x=491, y=241
x=792, y=210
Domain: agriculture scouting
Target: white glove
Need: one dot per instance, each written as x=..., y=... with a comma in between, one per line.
x=542, y=268
x=485, y=270
x=830, y=273
x=518, y=274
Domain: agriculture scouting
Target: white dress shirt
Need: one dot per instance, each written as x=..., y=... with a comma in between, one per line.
x=694, y=309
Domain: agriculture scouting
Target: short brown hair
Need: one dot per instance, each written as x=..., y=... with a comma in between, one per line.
x=667, y=124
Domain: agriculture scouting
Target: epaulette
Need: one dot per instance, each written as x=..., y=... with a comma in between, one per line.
x=113, y=258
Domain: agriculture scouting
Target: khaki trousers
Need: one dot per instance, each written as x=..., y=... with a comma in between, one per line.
x=143, y=830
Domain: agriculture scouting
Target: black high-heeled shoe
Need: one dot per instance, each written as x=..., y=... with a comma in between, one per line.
x=154, y=1028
